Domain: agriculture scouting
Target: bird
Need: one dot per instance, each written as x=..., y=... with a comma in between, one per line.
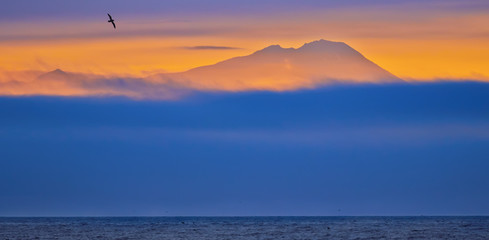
x=111, y=20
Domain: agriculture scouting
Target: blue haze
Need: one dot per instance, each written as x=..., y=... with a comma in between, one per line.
x=399, y=149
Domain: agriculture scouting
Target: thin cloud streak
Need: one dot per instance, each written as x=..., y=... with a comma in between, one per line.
x=210, y=48
x=344, y=24
x=58, y=83
x=169, y=32
x=337, y=136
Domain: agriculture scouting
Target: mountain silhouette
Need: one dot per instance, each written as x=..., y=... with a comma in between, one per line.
x=275, y=68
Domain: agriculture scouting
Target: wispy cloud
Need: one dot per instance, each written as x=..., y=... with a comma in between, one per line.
x=210, y=48
x=103, y=34
x=157, y=87
x=59, y=83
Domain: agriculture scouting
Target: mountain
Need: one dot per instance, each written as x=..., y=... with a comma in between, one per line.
x=275, y=68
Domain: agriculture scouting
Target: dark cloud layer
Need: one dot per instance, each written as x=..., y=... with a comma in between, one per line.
x=398, y=149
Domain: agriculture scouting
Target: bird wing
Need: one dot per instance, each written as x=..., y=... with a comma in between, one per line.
x=109, y=16
x=113, y=23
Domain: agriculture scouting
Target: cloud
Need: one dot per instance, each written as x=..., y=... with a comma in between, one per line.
x=59, y=83
x=94, y=35
x=210, y=48
x=235, y=75
x=164, y=87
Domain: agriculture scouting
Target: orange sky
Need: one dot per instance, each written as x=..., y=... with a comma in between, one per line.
x=425, y=46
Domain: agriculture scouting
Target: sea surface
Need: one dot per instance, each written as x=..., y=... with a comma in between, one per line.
x=235, y=228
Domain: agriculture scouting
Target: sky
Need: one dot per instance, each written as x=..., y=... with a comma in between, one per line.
x=102, y=122
x=423, y=40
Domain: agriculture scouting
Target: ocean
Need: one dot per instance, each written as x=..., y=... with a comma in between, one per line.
x=236, y=228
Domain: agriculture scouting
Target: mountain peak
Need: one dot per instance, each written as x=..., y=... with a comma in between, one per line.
x=323, y=43
x=274, y=49
x=319, y=46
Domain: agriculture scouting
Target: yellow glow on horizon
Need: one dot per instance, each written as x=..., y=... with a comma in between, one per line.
x=422, y=59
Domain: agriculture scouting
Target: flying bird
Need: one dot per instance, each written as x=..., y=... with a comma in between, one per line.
x=111, y=20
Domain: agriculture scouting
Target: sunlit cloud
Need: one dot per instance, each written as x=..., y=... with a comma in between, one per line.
x=59, y=83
